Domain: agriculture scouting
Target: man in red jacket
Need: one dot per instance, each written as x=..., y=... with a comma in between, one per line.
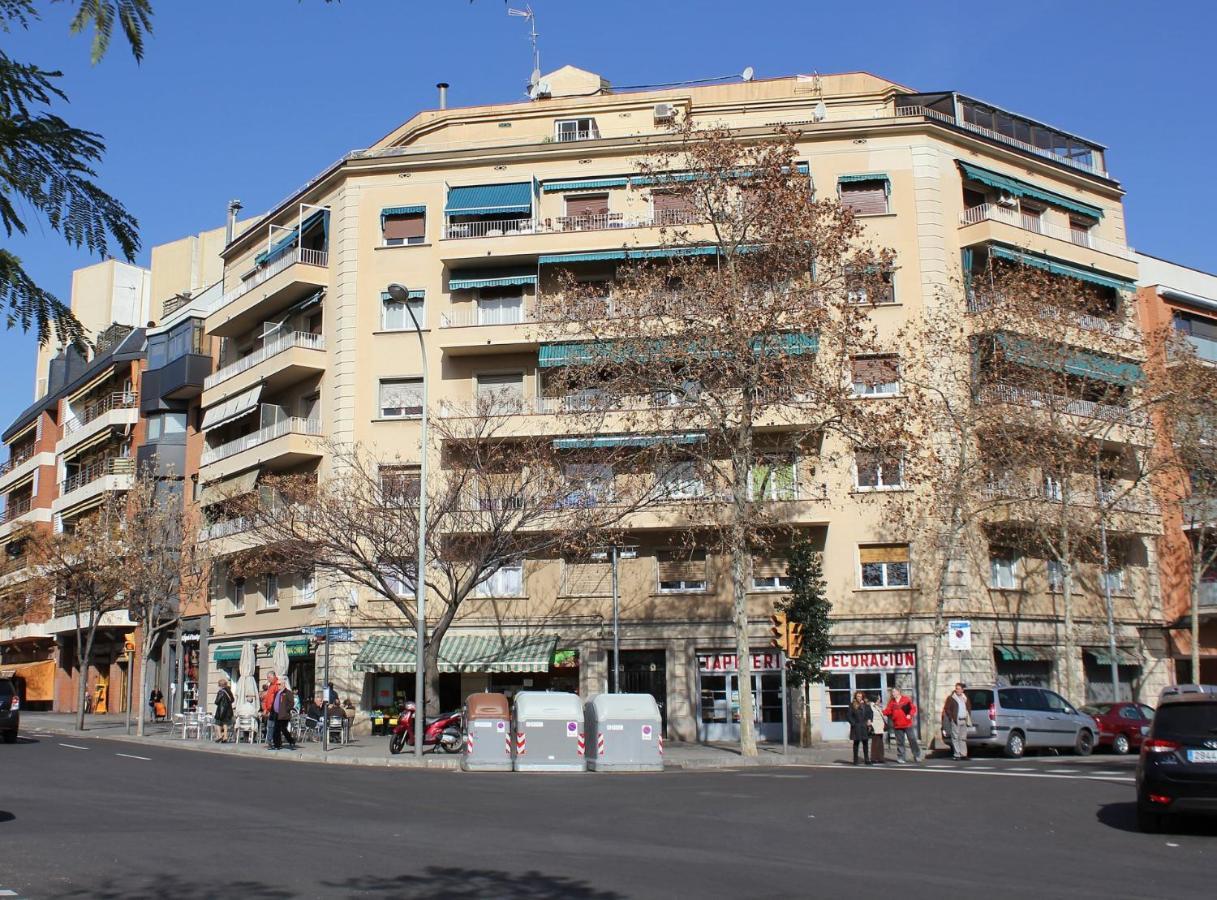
x=903, y=714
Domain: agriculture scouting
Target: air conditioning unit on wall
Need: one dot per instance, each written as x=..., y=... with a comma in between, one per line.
x=664, y=112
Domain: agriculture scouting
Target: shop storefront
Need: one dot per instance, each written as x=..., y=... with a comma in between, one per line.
x=1024, y=666
x=718, y=686
x=874, y=672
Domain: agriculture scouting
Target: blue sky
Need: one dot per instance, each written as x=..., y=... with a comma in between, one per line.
x=250, y=98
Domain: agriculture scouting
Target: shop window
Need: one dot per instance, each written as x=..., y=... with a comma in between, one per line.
x=404, y=228
x=877, y=471
x=681, y=571
x=865, y=196
x=883, y=565
x=876, y=376
x=1003, y=569
x=506, y=581
x=769, y=574
x=401, y=398
x=394, y=315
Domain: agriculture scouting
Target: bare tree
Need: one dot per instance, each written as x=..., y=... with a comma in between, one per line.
x=744, y=340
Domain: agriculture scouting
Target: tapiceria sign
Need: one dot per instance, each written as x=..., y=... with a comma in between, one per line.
x=728, y=662
x=873, y=660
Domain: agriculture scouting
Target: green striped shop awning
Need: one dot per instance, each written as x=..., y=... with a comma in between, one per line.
x=627, y=440
x=1007, y=653
x=487, y=199
x=1056, y=267
x=1023, y=189
x=461, y=653
x=1055, y=358
x=466, y=281
x=864, y=176
x=227, y=653
x=587, y=184
x=297, y=647
x=1102, y=656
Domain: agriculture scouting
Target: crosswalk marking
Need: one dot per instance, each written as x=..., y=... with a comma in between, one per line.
x=132, y=756
x=73, y=746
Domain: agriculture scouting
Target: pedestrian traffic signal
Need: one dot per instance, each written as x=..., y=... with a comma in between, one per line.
x=786, y=635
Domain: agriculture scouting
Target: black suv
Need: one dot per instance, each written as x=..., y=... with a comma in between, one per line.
x=1177, y=770
x=10, y=711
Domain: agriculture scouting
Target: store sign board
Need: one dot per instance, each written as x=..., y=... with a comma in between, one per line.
x=870, y=661
x=727, y=662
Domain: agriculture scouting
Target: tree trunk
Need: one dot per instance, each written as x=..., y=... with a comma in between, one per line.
x=1197, y=574
x=84, y=655
x=1070, y=651
x=138, y=702
x=743, y=649
x=928, y=725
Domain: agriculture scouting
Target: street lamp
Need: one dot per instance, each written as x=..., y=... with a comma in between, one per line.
x=399, y=294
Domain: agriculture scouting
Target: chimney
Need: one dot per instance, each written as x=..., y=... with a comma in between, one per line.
x=443, y=94
x=234, y=207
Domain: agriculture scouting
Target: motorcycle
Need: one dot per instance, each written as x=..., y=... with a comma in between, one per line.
x=443, y=732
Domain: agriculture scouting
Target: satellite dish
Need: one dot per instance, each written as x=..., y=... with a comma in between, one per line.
x=534, y=78
x=748, y=74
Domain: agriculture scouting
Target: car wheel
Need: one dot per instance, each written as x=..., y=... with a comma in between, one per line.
x=1016, y=745
x=1084, y=745
x=10, y=737
x=1120, y=744
x=1148, y=822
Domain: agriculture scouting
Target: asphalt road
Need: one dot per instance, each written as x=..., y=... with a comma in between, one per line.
x=83, y=818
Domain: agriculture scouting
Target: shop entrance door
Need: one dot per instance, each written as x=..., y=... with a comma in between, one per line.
x=841, y=687
x=646, y=672
x=720, y=706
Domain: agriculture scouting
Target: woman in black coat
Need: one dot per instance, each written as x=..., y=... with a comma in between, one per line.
x=859, y=718
x=224, y=710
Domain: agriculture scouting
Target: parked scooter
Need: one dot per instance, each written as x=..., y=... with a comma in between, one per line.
x=443, y=732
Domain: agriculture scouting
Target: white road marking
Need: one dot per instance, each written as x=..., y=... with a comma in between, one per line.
x=73, y=747
x=791, y=776
x=1064, y=771
x=973, y=771
x=8, y=893
x=130, y=756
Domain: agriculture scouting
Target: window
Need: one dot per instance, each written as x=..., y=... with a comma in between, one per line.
x=863, y=289
x=1201, y=334
x=500, y=394
x=575, y=130
x=688, y=392
x=681, y=481
x=672, y=208
x=1003, y=569
x=158, y=351
x=876, y=376
x=270, y=596
x=1056, y=575
x=500, y=307
x=400, y=485
x=395, y=580
x=395, y=317
x=1053, y=489
x=1079, y=230
x=875, y=471
x=588, y=211
x=1032, y=216
x=237, y=595
x=308, y=587
x=769, y=574
x=401, y=398
x=884, y=565
x=865, y=196
x=681, y=571
x=1114, y=577
x=404, y=228
x=507, y=581
x=163, y=425
x=588, y=483
x=774, y=478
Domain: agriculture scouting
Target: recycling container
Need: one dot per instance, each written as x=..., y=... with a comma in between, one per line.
x=488, y=739
x=624, y=733
x=548, y=731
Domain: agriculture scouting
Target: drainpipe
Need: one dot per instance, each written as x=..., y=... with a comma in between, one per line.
x=443, y=94
x=234, y=207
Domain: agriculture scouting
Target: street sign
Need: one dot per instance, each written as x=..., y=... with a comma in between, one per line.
x=335, y=633
x=341, y=634
x=959, y=634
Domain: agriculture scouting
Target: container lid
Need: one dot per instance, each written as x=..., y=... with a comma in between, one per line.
x=487, y=706
x=625, y=706
x=548, y=705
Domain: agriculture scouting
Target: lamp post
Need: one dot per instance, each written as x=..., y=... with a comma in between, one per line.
x=401, y=295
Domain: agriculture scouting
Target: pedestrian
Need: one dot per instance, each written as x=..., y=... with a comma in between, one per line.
x=860, y=726
x=878, y=727
x=156, y=705
x=328, y=694
x=224, y=708
x=903, y=713
x=956, y=720
x=281, y=710
x=268, y=708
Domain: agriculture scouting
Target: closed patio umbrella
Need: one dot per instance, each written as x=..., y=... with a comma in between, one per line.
x=246, y=688
x=281, y=662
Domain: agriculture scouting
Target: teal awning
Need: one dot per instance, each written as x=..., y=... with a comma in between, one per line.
x=551, y=355
x=1007, y=653
x=588, y=184
x=584, y=352
x=279, y=247
x=488, y=199
x=626, y=440
x=1102, y=656
x=1057, y=358
x=466, y=281
x=1056, y=267
x=402, y=211
x=551, y=259
x=298, y=647
x=461, y=653
x=418, y=294
x=227, y=653
x=1023, y=189
x=786, y=344
x=865, y=176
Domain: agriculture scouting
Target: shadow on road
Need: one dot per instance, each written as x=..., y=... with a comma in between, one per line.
x=6, y=816
x=1120, y=816
x=434, y=883
x=1123, y=817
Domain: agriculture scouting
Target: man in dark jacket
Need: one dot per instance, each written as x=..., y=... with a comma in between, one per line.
x=956, y=719
x=902, y=712
x=285, y=701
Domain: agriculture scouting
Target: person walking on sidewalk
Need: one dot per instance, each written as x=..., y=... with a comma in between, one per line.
x=903, y=713
x=268, y=708
x=224, y=707
x=284, y=705
x=878, y=727
x=860, y=727
x=956, y=720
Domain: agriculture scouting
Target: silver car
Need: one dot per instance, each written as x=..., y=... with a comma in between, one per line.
x=1017, y=718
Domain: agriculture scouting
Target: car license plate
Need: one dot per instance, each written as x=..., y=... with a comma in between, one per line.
x=1202, y=756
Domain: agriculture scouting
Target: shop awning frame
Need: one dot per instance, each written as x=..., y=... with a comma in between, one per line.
x=627, y=440
x=1102, y=656
x=490, y=653
x=1010, y=653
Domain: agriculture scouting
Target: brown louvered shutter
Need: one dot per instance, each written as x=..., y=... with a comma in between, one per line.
x=865, y=198
x=681, y=565
x=768, y=567
x=581, y=578
x=406, y=227
x=884, y=553
x=587, y=205
x=876, y=369
x=672, y=208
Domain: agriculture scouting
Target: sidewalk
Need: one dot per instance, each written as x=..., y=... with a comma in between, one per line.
x=368, y=750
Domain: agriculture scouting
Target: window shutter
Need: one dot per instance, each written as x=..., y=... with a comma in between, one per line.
x=884, y=553
x=768, y=567
x=405, y=227
x=876, y=369
x=587, y=205
x=401, y=395
x=681, y=565
x=587, y=579
x=672, y=208
x=865, y=198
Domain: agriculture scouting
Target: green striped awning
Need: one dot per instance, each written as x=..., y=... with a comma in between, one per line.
x=465, y=281
x=227, y=653
x=626, y=440
x=298, y=647
x=587, y=184
x=865, y=176
x=1023, y=189
x=1056, y=267
x=1007, y=653
x=416, y=294
x=1055, y=358
x=552, y=259
x=402, y=211
x=461, y=653
x=573, y=353
x=1102, y=656
x=487, y=199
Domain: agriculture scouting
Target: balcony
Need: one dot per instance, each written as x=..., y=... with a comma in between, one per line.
x=1117, y=326
x=281, y=444
x=469, y=330
x=271, y=289
x=1088, y=409
x=93, y=480
x=281, y=361
x=1132, y=512
x=117, y=409
x=564, y=224
x=1035, y=226
x=21, y=512
x=179, y=379
x=21, y=467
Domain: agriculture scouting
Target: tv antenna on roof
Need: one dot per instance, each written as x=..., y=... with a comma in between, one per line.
x=527, y=13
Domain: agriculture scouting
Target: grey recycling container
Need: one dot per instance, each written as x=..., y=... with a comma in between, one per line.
x=624, y=733
x=488, y=739
x=548, y=729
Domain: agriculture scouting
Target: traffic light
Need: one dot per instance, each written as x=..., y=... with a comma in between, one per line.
x=778, y=629
x=794, y=643
x=786, y=635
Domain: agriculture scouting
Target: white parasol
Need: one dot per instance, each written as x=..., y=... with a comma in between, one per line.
x=280, y=660
x=246, y=688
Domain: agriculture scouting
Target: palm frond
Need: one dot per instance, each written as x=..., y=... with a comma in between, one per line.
x=134, y=17
x=27, y=306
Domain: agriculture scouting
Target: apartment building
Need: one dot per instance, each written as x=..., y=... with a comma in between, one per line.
x=477, y=211
x=1181, y=301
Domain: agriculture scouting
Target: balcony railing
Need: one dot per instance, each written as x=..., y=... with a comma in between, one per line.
x=308, y=257
x=96, y=471
x=14, y=509
x=274, y=347
x=95, y=409
x=16, y=459
x=582, y=496
x=588, y=134
x=1038, y=492
x=223, y=528
x=1106, y=412
x=566, y=224
x=466, y=318
x=290, y=425
x=980, y=301
x=994, y=212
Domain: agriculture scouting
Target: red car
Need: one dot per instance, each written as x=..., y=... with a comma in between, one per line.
x=1121, y=725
